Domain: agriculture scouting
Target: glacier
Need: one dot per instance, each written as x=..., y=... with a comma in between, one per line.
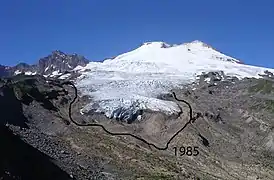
x=126, y=85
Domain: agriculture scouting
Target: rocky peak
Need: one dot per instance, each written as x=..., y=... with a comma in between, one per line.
x=56, y=62
x=59, y=61
x=58, y=53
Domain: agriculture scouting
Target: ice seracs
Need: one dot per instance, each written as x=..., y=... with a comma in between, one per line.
x=132, y=81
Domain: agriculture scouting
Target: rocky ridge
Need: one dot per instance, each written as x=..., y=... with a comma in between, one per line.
x=52, y=65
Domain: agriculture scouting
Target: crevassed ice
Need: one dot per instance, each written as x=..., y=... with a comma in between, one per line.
x=116, y=92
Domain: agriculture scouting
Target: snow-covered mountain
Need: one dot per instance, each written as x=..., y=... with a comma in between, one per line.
x=124, y=86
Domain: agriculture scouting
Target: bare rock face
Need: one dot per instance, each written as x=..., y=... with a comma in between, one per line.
x=212, y=78
x=57, y=62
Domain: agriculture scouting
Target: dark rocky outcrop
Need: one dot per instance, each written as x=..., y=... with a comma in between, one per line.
x=59, y=61
x=56, y=62
x=210, y=79
x=11, y=108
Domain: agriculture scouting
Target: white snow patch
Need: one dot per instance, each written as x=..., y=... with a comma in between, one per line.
x=207, y=79
x=29, y=73
x=46, y=69
x=69, y=65
x=55, y=73
x=17, y=72
x=78, y=68
x=65, y=76
x=139, y=117
x=81, y=112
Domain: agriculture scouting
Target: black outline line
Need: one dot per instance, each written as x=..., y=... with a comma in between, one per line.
x=191, y=120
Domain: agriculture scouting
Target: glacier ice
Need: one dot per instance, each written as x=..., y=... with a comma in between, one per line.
x=124, y=86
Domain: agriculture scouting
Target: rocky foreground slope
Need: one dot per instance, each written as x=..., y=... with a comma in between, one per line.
x=234, y=134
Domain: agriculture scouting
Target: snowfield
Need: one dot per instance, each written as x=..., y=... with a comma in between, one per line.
x=131, y=82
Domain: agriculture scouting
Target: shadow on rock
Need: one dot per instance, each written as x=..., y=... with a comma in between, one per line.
x=11, y=109
x=13, y=97
x=21, y=161
x=41, y=98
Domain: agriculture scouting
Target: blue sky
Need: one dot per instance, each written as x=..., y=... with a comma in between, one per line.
x=97, y=29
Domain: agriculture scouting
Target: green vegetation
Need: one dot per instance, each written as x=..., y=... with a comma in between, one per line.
x=264, y=86
x=267, y=105
x=21, y=88
x=270, y=105
x=143, y=164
